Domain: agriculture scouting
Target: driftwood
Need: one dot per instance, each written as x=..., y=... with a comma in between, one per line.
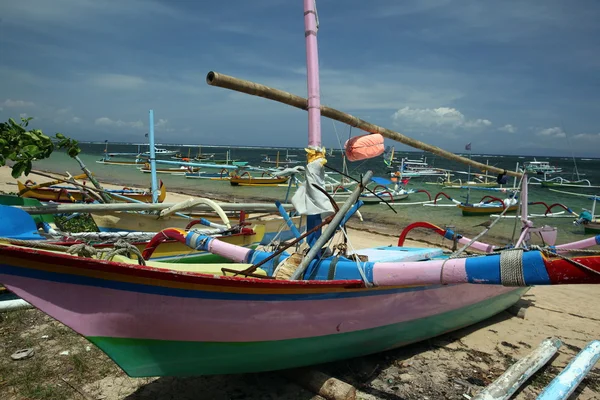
x=321, y=384
x=507, y=384
x=256, y=89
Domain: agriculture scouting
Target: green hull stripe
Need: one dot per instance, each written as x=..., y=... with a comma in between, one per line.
x=147, y=357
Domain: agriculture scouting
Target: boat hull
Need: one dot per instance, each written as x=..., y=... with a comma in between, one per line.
x=592, y=227
x=167, y=324
x=237, y=181
x=69, y=195
x=471, y=211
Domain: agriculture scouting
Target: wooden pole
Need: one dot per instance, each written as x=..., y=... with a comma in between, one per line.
x=256, y=89
x=321, y=384
x=57, y=208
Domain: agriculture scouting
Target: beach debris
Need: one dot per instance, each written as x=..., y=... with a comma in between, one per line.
x=22, y=354
x=45, y=336
x=567, y=381
x=517, y=311
x=321, y=384
x=508, y=383
x=65, y=353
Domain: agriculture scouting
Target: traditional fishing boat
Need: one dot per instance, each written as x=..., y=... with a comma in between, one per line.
x=70, y=194
x=171, y=171
x=274, y=310
x=489, y=205
x=110, y=161
x=245, y=179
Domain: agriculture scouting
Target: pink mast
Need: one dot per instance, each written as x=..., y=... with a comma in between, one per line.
x=312, y=67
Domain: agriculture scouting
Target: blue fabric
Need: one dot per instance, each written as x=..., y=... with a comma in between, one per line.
x=17, y=224
x=381, y=181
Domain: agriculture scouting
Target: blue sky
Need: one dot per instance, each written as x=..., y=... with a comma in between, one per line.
x=510, y=76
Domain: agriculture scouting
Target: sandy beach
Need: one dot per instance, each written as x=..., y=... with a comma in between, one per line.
x=453, y=366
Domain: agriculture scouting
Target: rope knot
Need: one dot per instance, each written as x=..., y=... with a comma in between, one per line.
x=82, y=250
x=122, y=247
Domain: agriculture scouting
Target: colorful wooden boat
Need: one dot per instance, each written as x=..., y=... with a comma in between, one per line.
x=108, y=161
x=70, y=194
x=171, y=171
x=246, y=180
x=487, y=206
x=157, y=320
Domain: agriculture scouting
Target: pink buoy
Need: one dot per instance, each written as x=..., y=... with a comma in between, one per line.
x=363, y=147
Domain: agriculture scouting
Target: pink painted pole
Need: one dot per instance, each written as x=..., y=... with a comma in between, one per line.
x=312, y=69
x=526, y=223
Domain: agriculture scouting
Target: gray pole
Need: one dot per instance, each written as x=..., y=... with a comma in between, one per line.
x=332, y=227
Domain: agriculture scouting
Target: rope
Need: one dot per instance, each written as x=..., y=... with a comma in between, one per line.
x=121, y=247
x=34, y=243
x=360, y=267
x=83, y=250
x=577, y=263
x=511, y=268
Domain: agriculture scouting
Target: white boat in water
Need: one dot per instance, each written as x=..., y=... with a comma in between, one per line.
x=540, y=167
x=161, y=152
x=417, y=168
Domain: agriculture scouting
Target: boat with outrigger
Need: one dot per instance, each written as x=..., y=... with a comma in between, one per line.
x=317, y=303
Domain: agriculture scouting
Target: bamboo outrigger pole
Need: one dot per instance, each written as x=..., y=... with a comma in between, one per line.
x=256, y=89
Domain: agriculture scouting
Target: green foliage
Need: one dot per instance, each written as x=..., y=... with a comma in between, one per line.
x=81, y=223
x=24, y=146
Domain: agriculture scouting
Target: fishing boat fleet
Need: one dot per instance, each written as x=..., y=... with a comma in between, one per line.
x=203, y=287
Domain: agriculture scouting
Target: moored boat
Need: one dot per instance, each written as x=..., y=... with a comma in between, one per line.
x=70, y=194
x=246, y=179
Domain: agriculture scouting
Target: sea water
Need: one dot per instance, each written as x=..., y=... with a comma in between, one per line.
x=377, y=214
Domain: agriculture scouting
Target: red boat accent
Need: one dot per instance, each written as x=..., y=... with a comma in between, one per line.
x=414, y=225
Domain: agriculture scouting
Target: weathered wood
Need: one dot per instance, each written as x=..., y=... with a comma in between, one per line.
x=321, y=384
x=256, y=89
x=567, y=381
x=508, y=383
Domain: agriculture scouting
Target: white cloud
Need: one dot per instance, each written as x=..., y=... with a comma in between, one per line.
x=161, y=123
x=75, y=120
x=508, y=128
x=554, y=132
x=17, y=103
x=117, y=81
x=587, y=136
x=441, y=117
x=105, y=121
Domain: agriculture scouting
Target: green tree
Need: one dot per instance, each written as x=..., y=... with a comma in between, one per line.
x=22, y=145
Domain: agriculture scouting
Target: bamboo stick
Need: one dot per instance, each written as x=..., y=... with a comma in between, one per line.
x=57, y=208
x=256, y=89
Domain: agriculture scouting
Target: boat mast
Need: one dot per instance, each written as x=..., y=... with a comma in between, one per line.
x=312, y=68
x=152, y=156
